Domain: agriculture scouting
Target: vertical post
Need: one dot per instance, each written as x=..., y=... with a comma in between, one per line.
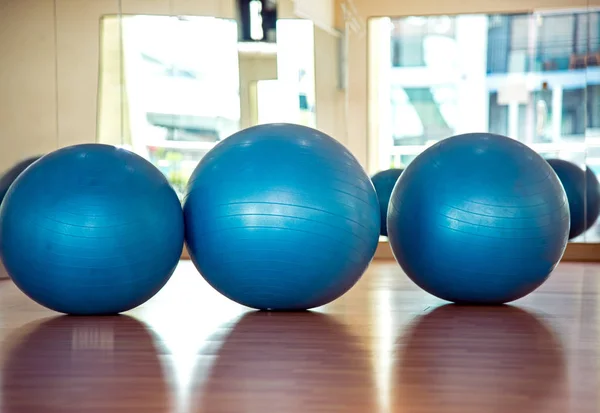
x=473, y=101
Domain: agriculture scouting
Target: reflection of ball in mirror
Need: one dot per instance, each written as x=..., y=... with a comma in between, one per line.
x=583, y=193
x=480, y=359
x=384, y=182
x=108, y=364
x=289, y=363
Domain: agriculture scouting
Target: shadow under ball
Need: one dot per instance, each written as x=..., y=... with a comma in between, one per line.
x=287, y=362
x=84, y=364
x=480, y=359
x=478, y=218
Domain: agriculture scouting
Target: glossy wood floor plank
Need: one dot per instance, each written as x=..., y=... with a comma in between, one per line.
x=386, y=346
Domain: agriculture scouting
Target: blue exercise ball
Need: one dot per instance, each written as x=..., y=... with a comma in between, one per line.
x=478, y=218
x=281, y=217
x=583, y=193
x=91, y=229
x=13, y=173
x=384, y=182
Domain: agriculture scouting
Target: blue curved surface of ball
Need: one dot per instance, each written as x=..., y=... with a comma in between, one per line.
x=583, y=193
x=91, y=229
x=478, y=218
x=384, y=182
x=281, y=217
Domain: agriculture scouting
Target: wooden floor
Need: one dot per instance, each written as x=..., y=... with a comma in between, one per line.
x=384, y=347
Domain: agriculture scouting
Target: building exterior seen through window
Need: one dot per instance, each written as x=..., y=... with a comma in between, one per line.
x=534, y=77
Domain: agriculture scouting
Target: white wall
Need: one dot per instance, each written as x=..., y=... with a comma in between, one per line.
x=330, y=99
x=27, y=79
x=252, y=69
x=321, y=12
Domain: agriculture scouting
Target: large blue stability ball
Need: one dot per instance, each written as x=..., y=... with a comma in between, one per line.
x=583, y=193
x=478, y=218
x=91, y=229
x=384, y=182
x=281, y=217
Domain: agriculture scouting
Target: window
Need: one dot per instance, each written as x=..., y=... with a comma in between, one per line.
x=421, y=115
x=498, y=119
x=593, y=106
x=177, y=88
x=508, y=74
x=573, y=113
x=556, y=41
x=498, y=40
x=519, y=41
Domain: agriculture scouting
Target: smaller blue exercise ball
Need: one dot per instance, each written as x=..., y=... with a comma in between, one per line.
x=583, y=193
x=281, y=217
x=478, y=218
x=384, y=182
x=13, y=173
x=91, y=229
